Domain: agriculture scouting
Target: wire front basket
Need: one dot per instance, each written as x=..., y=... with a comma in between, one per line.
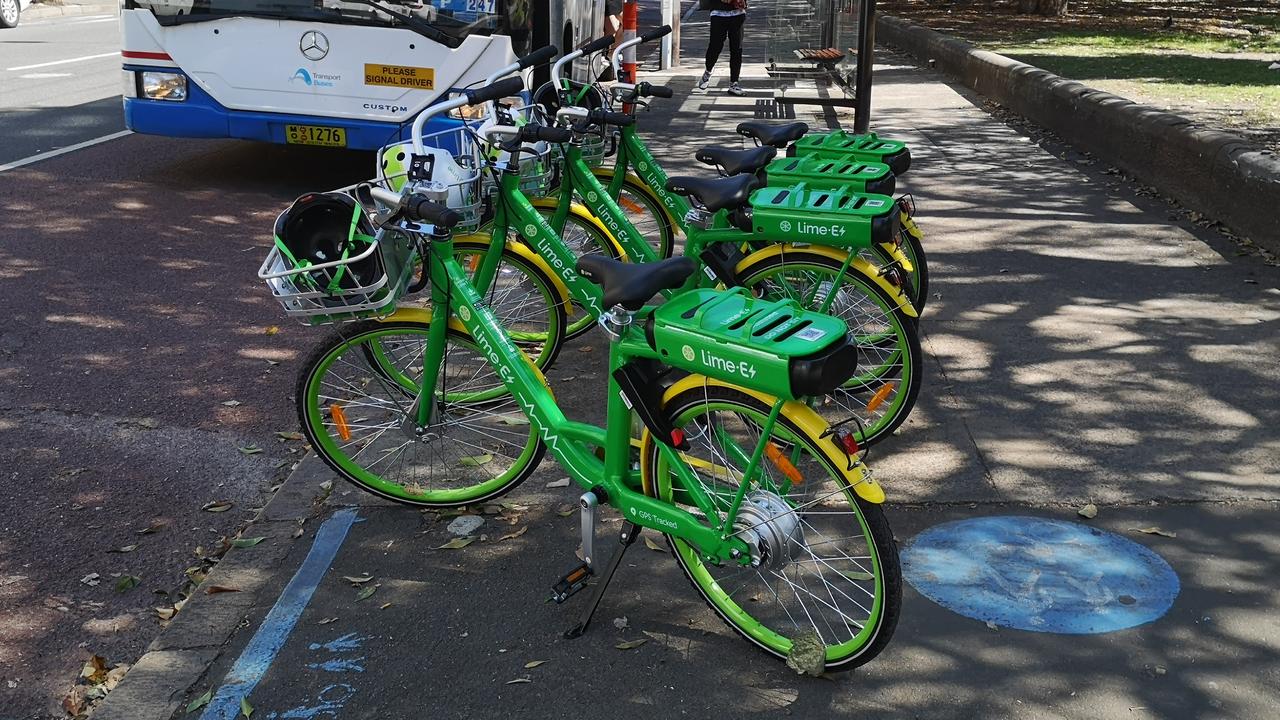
x=455, y=172
x=365, y=285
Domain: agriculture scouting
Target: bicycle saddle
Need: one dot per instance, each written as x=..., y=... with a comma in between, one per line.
x=631, y=284
x=716, y=193
x=736, y=162
x=773, y=135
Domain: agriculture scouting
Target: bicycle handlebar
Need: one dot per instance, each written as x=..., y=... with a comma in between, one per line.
x=656, y=33
x=538, y=57
x=416, y=207
x=597, y=45
x=500, y=89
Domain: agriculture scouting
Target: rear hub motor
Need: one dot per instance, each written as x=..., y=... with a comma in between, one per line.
x=771, y=528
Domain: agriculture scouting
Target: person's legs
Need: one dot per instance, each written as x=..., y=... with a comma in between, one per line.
x=734, y=30
x=719, y=28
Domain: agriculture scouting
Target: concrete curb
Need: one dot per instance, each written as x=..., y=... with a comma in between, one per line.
x=46, y=10
x=1215, y=173
x=179, y=657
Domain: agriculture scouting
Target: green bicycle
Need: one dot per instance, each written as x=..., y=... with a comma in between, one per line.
x=770, y=513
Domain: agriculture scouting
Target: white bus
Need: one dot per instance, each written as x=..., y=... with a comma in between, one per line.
x=337, y=73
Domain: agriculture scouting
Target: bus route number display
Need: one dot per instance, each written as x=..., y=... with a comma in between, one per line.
x=401, y=76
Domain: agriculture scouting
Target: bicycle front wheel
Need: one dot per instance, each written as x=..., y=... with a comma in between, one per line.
x=827, y=566
x=883, y=390
x=357, y=400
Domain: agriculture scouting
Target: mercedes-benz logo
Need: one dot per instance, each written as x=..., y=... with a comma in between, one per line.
x=314, y=45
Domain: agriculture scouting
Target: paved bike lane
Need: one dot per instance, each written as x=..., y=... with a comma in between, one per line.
x=1083, y=348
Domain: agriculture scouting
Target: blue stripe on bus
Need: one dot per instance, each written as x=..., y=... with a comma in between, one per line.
x=201, y=116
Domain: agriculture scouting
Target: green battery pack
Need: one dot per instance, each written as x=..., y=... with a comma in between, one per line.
x=831, y=173
x=846, y=145
x=773, y=346
x=840, y=217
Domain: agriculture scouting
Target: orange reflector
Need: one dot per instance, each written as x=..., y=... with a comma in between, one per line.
x=783, y=464
x=340, y=421
x=473, y=262
x=881, y=395
x=630, y=205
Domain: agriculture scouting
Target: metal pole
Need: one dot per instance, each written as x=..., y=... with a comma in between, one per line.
x=866, y=59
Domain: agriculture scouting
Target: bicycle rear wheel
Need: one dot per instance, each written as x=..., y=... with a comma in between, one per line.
x=356, y=403
x=884, y=388
x=828, y=565
x=644, y=211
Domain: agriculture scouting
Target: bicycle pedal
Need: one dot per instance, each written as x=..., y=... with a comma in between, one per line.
x=571, y=582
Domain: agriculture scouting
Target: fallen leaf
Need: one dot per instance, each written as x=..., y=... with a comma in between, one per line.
x=533, y=664
x=247, y=542
x=250, y=449
x=124, y=549
x=621, y=622
x=95, y=669
x=514, y=506
x=649, y=543
x=273, y=362
x=519, y=681
x=586, y=349
x=474, y=460
x=1153, y=530
x=272, y=330
x=566, y=510
x=1089, y=511
x=153, y=528
x=326, y=621
x=91, y=579
x=127, y=582
x=167, y=613
x=384, y=606
x=232, y=403
x=456, y=543
x=366, y=593
x=514, y=535
x=290, y=436
x=200, y=701
x=562, y=482
x=858, y=575
x=74, y=701
x=808, y=655
x=631, y=644
x=513, y=420
x=217, y=506
x=357, y=579
x=245, y=708
x=215, y=589
x=149, y=423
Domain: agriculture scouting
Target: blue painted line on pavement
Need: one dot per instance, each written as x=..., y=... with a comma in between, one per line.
x=1038, y=574
x=257, y=657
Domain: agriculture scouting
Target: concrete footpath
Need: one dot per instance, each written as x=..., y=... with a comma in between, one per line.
x=1081, y=349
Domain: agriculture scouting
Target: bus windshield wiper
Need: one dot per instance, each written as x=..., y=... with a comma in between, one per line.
x=414, y=24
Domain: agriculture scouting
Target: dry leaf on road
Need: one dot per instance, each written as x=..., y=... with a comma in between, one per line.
x=631, y=644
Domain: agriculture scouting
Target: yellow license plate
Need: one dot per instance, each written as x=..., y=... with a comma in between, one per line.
x=315, y=135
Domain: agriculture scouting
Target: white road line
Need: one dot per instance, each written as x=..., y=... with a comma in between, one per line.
x=62, y=151
x=62, y=62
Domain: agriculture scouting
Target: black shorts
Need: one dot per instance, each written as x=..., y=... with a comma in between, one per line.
x=613, y=7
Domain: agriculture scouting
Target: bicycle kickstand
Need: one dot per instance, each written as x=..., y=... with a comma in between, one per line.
x=630, y=531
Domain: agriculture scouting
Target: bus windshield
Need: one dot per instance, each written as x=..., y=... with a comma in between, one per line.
x=454, y=19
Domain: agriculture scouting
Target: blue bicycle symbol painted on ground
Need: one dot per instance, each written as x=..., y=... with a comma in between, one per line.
x=1039, y=574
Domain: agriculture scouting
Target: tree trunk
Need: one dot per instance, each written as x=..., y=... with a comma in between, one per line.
x=1056, y=8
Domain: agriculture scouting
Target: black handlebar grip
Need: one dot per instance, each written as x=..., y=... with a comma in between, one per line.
x=500, y=89
x=534, y=133
x=658, y=91
x=417, y=207
x=605, y=117
x=539, y=57
x=655, y=33
x=597, y=45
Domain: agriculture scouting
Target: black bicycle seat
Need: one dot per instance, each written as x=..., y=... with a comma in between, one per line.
x=735, y=162
x=631, y=284
x=715, y=193
x=777, y=136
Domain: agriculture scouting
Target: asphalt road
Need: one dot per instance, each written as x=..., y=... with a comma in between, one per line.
x=60, y=84
x=132, y=314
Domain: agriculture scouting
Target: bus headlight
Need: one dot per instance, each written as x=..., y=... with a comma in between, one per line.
x=163, y=86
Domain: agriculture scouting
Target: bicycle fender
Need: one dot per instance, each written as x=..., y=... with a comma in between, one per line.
x=898, y=256
x=605, y=174
x=859, y=476
x=581, y=211
x=421, y=316
x=861, y=265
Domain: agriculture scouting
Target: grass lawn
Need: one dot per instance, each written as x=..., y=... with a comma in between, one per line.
x=1205, y=60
